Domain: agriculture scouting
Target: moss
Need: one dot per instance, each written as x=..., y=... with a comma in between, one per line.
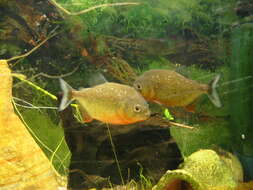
x=204, y=169
x=9, y=49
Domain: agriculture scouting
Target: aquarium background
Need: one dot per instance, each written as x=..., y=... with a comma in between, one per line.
x=196, y=38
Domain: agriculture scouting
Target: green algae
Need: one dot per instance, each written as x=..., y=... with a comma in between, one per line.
x=205, y=170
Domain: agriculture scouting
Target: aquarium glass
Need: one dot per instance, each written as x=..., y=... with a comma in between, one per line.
x=119, y=94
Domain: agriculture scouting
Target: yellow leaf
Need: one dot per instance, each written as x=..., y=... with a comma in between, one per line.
x=23, y=164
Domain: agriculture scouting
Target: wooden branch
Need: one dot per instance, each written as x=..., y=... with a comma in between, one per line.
x=57, y=5
x=158, y=120
x=32, y=50
x=181, y=125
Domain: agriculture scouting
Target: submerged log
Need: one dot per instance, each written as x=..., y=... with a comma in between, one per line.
x=145, y=146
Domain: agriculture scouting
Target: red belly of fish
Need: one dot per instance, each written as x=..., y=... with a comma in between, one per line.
x=115, y=119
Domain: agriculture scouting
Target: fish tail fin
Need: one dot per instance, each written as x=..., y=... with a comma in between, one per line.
x=67, y=95
x=212, y=93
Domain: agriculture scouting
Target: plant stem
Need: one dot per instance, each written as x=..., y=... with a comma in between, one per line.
x=115, y=155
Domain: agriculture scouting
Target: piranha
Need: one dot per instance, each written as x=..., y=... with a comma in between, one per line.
x=171, y=89
x=109, y=102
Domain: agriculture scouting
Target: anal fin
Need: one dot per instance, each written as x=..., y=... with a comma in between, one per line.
x=86, y=118
x=191, y=108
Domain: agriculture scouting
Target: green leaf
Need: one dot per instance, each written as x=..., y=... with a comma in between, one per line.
x=50, y=138
x=168, y=115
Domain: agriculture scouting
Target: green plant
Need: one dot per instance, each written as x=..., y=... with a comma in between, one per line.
x=145, y=182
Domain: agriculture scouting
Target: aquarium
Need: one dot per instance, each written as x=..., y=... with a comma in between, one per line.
x=120, y=94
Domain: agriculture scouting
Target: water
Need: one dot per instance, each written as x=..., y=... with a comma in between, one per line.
x=42, y=41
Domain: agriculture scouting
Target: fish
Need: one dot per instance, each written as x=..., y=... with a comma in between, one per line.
x=110, y=102
x=169, y=88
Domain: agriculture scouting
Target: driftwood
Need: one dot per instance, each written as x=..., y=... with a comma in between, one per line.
x=145, y=144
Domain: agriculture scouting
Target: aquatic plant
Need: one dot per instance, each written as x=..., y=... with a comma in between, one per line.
x=241, y=98
x=152, y=19
x=168, y=115
x=145, y=181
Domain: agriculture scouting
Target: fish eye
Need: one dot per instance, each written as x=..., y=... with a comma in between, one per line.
x=137, y=108
x=138, y=86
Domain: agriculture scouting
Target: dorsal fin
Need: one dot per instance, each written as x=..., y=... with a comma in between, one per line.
x=96, y=79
